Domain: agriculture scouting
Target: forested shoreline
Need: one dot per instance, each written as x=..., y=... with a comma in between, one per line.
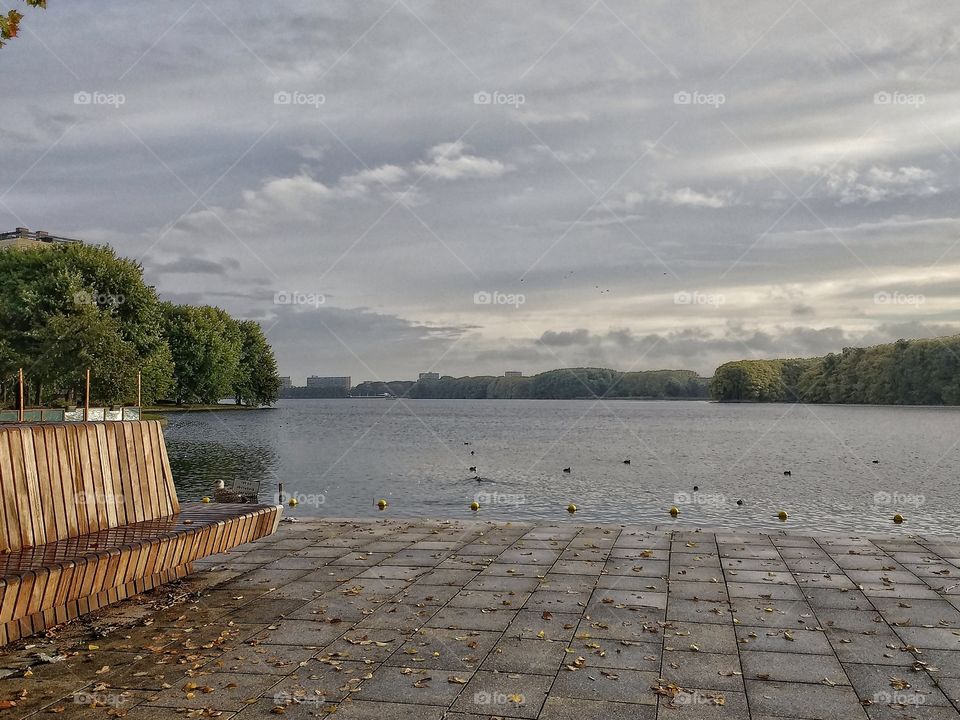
x=66, y=308
x=565, y=383
x=906, y=372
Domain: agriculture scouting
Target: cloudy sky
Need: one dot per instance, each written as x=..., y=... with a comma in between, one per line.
x=400, y=186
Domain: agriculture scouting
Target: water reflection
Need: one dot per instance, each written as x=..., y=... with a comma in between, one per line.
x=339, y=456
x=198, y=464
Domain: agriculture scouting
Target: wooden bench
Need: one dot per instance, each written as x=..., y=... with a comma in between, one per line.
x=89, y=516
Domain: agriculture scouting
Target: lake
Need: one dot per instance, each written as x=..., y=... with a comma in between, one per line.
x=337, y=457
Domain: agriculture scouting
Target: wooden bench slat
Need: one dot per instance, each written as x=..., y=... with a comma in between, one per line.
x=21, y=497
x=76, y=488
x=89, y=515
x=45, y=487
x=146, y=443
x=148, y=510
x=106, y=477
x=163, y=468
x=34, y=591
x=66, y=463
x=96, y=503
x=8, y=512
x=32, y=482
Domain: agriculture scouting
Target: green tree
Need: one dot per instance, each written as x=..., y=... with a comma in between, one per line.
x=568, y=383
x=206, y=345
x=509, y=388
x=754, y=381
x=907, y=372
x=10, y=23
x=88, y=339
x=65, y=308
x=574, y=383
x=257, y=381
x=730, y=382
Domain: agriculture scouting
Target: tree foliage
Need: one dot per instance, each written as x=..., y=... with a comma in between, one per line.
x=66, y=308
x=69, y=307
x=10, y=22
x=369, y=388
x=566, y=383
x=257, y=381
x=509, y=388
x=206, y=345
x=907, y=372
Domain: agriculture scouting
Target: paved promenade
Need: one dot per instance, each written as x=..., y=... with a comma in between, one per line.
x=427, y=619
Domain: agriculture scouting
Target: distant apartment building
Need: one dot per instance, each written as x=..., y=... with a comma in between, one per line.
x=285, y=382
x=513, y=373
x=428, y=376
x=329, y=383
x=22, y=237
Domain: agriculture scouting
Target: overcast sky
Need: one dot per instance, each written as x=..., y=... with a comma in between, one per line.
x=471, y=187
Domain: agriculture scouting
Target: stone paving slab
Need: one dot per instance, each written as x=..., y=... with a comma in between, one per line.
x=382, y=619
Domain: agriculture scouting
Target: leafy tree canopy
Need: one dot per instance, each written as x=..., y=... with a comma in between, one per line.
x=206, y=345
x=68, y=307
x=567, y=383
x=907, y=372
x=257, y=381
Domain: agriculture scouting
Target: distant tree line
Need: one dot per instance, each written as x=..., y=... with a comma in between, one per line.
x=907, y=372
x=313, y=392
x=66, y=308
x=566, y=383
x=397, y=388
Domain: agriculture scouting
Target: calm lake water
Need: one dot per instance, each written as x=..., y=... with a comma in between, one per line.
x=339, y=456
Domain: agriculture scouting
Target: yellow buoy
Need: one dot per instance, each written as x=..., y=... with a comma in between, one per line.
x=782, y=514
x=293, y=502
x=571, y=508
x=474, y=506
x=674, y=511
x=206, y=500
x=898, y=518
x=382, y=504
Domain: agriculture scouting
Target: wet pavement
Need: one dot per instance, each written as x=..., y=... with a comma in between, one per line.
x=466, y=619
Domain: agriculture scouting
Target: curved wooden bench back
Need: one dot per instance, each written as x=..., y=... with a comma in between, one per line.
x=63, y=480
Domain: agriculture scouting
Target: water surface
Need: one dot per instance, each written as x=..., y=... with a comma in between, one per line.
x=339, y=456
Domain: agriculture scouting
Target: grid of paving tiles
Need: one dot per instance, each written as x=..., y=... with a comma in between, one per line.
x=429, y=619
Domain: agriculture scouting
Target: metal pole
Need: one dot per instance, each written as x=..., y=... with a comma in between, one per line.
x=86, y=399
x=20, y=409
x=138, y=390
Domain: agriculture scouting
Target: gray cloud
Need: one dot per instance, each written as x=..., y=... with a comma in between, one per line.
x=597, y=192
x=565, y=338
x=194, y=266
x=625, y=350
